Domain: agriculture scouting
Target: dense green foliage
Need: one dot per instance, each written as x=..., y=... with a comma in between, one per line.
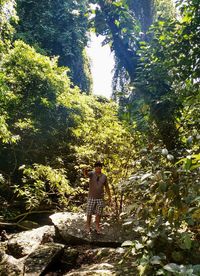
x=8, y=16
x=48, y=124
x=32, y=118
x=118, y=22
x=165, y=195
x=167, y=74
x=104, y=137
x=58, y=29
x=148, y=140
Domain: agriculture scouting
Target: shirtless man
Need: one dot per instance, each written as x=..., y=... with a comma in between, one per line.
x=95, y=203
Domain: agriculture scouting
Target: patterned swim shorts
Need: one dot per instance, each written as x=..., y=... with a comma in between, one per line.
x=95, y=206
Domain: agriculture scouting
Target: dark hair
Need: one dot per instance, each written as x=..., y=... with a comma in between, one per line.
x=98, y=164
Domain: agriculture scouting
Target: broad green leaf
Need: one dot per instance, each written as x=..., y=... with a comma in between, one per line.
x=156, y=260
x=127, y=243
x=172, y=267
x=139, y=245
x=145, y=176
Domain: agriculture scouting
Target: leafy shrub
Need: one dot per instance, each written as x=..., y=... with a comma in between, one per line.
x=162, y=200
x=44, y=186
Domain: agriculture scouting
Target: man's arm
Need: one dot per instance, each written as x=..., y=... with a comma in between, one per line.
x=87, y=172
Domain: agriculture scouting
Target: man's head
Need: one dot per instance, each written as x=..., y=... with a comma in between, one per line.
x=98, y=166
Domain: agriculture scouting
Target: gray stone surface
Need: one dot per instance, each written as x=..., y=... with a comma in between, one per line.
x=10, y=266
x=39, y=260
x=34, y=252
x=71, y=227
x=24, y=243
x=101, y=269
x=105, y=261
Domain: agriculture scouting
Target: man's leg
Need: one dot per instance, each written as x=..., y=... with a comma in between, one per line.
x=90, y=207
x=97, y=221
x=99, y=211
x=88, y=223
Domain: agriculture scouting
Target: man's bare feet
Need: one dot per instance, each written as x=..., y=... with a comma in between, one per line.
x=98, y=231
x=88, y=230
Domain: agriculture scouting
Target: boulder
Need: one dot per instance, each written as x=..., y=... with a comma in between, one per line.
x=10, y=266
x=69, y=258
x=100, y=269
x=71, y=227
x=37, y=251
x=42, y=259
x=105, y=261
x=24, y=243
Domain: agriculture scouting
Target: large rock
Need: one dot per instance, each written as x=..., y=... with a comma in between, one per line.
x=100, y=269
x=44, y=257
x=71, y=227
x=30, y=252
x=10, y=266
x=42, y=260
x=105, y=261
x=24, y=243
x=35, y=252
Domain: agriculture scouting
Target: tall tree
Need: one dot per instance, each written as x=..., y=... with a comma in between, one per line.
x=123, y=30
x=58, y=28
x=143, y=11
x=29, y=91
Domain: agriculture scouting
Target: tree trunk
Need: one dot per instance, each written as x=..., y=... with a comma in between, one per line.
x=128, y=58
x=161, y=113
x=144, y=12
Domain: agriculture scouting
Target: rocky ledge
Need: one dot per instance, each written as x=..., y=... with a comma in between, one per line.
x=64, y=248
